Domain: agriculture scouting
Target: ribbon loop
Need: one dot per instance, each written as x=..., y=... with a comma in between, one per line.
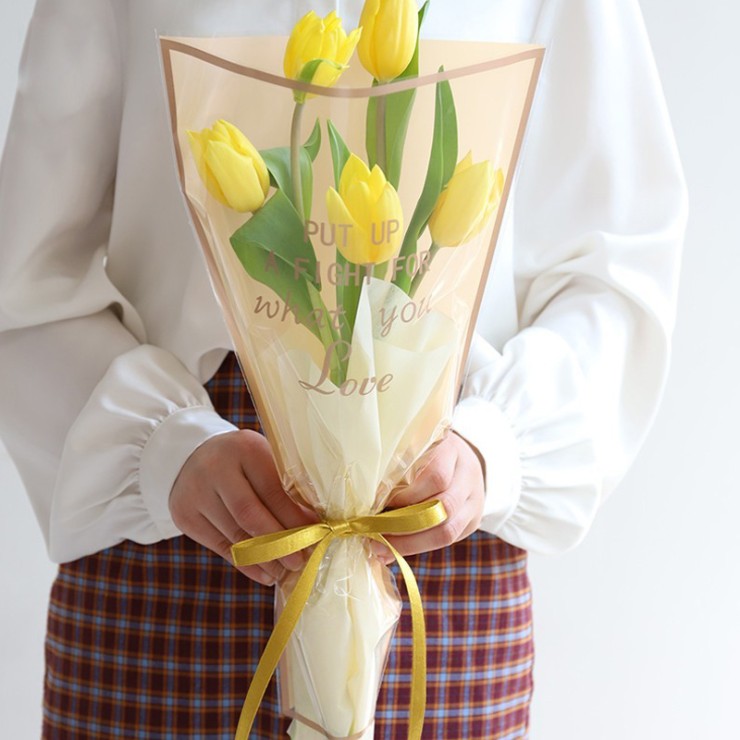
x=277, y=544
x=407, y=520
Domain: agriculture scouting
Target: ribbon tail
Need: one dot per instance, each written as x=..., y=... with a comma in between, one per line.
x=279, y=639
x=418, y=644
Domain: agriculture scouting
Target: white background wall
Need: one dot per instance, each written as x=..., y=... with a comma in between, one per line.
x=638, y=630
x=25, y=573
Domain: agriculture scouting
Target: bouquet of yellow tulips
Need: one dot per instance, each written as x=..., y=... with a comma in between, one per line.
x=348, y=190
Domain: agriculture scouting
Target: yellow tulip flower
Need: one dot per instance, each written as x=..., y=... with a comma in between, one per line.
x=366, y=214
x=315, y=38
x=389, y=31
x=231, y=168
x=466, y=204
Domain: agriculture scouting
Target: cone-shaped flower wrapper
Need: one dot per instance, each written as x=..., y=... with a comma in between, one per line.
x=351, y=320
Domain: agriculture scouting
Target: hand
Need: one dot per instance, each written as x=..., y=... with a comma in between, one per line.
x=453, y=474
x=228, y=490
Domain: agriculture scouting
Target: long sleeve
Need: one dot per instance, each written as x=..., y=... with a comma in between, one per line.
x=97, y=420
x=598, y=221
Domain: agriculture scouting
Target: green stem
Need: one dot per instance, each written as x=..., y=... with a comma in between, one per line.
x=380, y=147
x=351, y=296
x=295, y=159
x=416, y=282
x=338, y=368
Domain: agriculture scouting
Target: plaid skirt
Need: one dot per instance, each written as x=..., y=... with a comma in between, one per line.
x=158, y=642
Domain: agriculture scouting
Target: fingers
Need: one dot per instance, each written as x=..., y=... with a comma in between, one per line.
x=215, y=503
x=216, y=512
x=462, y=519
x=207, y=534
x=434, y=478
x=229, y=490
x=461, y=491
x=243, y=512
x=258, y=467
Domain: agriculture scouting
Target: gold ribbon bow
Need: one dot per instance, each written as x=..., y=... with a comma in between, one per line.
x=407, y=520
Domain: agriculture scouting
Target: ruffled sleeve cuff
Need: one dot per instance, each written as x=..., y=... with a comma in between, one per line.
x=124, y=451
x=167, y=448
x=525, y=413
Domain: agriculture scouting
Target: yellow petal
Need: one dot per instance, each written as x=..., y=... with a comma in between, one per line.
x=259, y=165
x=237, y=177
x=387, y=222
x=469, y=198
x=348, y=46
x=219, y=132
x=198, y=143
x=332, y=21
x=329, y=45
x=349, y=237
x=464, y=164
x=497, y=190
x=241, y=144
x=235, y=137
x=396, y=29
x=435, y=226
x=366, y=46
x=390, y=30
x=463, y=209
x=359, y=202
x=312, y=49
x=333, y=38
x=354, y=169
x=494, y=200
x=376, y=182
x=308, y=22
x=314, y=38
x=500, y=182
x=326, y=75
x=336, y=209
x=295, y=51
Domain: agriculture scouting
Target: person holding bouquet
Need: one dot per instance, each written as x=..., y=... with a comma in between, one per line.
x=124, y=411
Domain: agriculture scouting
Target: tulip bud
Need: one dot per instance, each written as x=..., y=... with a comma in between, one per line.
x=466, y=204
x=231, y=168
x=366, y=215
x=389, y=32
x=315, y=38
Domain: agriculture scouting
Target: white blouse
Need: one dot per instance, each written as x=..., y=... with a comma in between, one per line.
x=108, y=326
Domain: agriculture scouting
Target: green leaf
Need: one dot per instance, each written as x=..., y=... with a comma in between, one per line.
x=340, y=152
x=398, y=107
x=268, y=246
x=278, y=228
x=309, y=69
x=278, y=165
x=327, y=334
x=413, y=69
x=371, y=130
x=346, y=297
x=313, y=142
x=442, y=161
x=308, y=72
x=350, y=301
x=448, y=130
x=397, y=116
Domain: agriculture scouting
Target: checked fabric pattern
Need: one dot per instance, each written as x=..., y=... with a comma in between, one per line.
x=158, y=642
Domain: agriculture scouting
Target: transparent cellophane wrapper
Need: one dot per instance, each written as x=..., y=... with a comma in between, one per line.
x=343, y=452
